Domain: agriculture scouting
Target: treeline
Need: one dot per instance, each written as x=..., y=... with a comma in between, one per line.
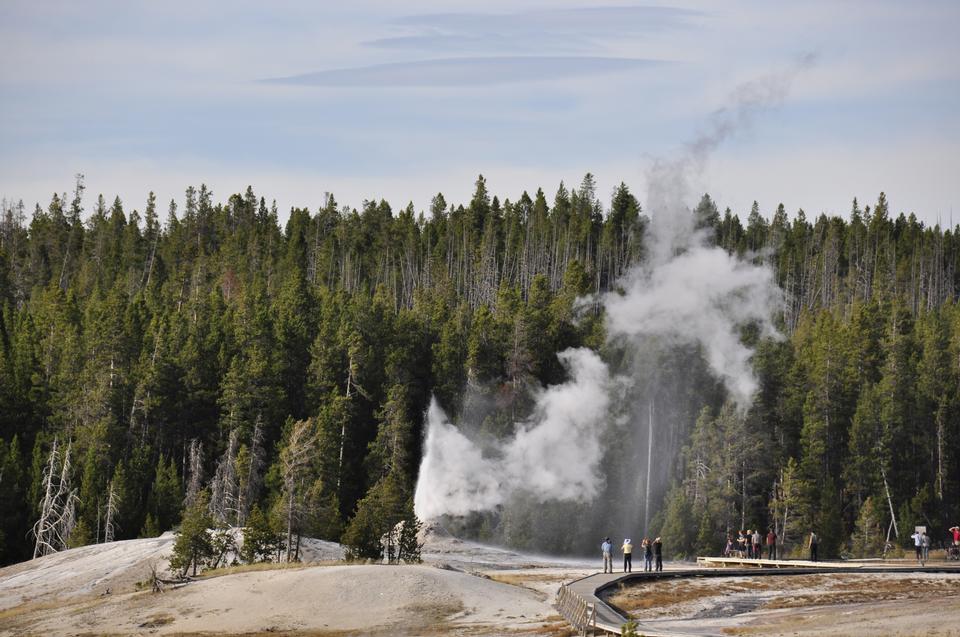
x=855, y=431
x=216, y=354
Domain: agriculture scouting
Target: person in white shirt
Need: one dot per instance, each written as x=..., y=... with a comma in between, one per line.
x=918, y=545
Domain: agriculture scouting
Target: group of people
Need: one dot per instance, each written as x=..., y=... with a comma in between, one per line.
x=921, y=542
x=749, y=545
x=652, y=552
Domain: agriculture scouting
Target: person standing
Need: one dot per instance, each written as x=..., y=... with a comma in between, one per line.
x=917, y=538
x=647, y=554
x=658, y=553
x=757, y=539
x=926, y=546
x=771, y=545
x=814, y=544
x=627, y=549
x=607, y=549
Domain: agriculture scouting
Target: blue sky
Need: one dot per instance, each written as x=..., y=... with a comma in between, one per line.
x=402, y=100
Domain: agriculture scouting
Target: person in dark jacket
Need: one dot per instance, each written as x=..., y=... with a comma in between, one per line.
x=814, y=543
x=771, y=545
x=658, y=553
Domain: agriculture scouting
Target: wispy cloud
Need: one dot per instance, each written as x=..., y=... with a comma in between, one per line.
x=572, y=29
x=465, y=72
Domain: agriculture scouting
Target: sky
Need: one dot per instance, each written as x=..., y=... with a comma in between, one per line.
x=381, y=99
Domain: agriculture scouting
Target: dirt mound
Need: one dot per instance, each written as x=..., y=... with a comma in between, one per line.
x=368, y=599
x=88, y=570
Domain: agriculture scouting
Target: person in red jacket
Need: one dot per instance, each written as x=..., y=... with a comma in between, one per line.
x=771, y=545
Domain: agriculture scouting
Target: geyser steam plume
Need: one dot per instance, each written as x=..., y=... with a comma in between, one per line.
x=686, y=292
x=554, y=453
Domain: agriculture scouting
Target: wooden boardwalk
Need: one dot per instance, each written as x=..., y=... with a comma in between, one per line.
x=742, y=562
x=581, y=604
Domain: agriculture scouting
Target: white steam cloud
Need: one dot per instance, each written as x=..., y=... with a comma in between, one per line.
x=701, y=296
x=686, y=291
x=553, y=455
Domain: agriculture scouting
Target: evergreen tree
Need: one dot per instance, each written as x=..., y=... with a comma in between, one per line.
x=193, y=546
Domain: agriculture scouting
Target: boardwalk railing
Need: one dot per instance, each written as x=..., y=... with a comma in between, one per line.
x=581, y=614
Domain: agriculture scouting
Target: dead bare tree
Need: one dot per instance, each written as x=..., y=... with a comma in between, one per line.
x=224, y=488
x=58, y=508
x=251, y=474
x=110, y=525
x=194, y=471
x=294, y=460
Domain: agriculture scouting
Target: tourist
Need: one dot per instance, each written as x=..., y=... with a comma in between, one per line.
x=728, y=549
x=757, y=539
x=647, y=554
x=771, y=545
x=814, y=543
x=749, y=537
x=741, y=544
x=926, y=546
x=607, y=549
x=658, y=553
x=917, y=538
x=627, y=549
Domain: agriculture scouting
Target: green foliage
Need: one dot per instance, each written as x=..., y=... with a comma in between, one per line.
x=262, y=542
x=377, y=515
x=145, y=339
x=408, y=546
x=151, y=528
x=362, y=535
x=193, y=547
x=166, y=495
x=869, y=533
x=81, y=535
x=679, y=527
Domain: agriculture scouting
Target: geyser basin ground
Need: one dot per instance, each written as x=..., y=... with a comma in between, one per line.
x=464, y=588
x=817, y=604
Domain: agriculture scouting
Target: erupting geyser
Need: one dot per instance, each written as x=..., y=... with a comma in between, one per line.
x=554, y=454
x=686, y=295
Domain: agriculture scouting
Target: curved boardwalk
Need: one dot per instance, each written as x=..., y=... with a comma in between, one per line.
x=588, y=590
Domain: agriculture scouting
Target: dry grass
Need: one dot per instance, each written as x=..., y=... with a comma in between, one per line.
x=662, y=595
x=30, y=607
x=264, y=566
x=271, y=633
x=554, y=626
x=157, y=620
x=522, y=579
x=858, y=591
x=666, y=594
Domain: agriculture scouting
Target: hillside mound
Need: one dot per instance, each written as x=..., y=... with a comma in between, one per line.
x=363, y=598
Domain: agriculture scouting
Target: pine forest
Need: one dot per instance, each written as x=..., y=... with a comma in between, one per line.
x=277, y=367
